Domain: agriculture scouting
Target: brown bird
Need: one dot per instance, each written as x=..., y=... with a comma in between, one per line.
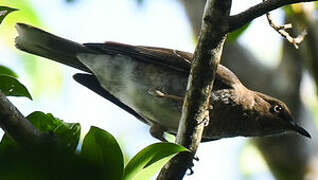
x=150, y=83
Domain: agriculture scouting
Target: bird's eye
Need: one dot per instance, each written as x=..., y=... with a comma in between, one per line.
x=277, y=108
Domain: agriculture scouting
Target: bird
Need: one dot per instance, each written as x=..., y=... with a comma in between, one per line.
x=150, y=83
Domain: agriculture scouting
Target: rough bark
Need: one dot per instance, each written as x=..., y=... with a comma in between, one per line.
x=18, y=127
x=207, y=56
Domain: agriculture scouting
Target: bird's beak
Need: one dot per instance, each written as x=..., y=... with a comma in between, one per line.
x=300, y=130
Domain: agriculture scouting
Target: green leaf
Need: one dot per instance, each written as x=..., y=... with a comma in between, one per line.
x=6, y=71
x=233, y=36
x=4, y=11
x=45, y=78
x=27, y=14
x=68, y=133
x=53, y=163
x=150, y=160
x=10, y=86
x=8, y=145
x=102, y=149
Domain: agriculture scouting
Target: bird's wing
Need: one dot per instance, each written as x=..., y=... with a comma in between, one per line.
x=160, y=56
x=174, y=59
x=90, y=81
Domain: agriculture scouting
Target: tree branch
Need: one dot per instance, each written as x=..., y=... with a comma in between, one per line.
x=17, y=127
x=281, y=29
x=207, y=56
x=239, y=20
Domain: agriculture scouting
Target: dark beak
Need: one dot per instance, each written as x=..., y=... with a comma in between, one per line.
x=300, y=130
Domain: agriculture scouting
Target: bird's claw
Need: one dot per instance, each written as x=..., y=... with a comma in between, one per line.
x=191, y=171
x=196, y=158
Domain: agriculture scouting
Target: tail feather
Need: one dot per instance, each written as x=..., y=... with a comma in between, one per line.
x=39, y=42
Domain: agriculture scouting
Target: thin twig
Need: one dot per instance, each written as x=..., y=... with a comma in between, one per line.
x=239, y=20
x=281, y=29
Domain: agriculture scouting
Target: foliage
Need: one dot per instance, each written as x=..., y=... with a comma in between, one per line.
x=4, y=11
x=68, y=133
x=100, y=155
x=151, y=159
x=10, y=86
x=102, y=149
x=7, y=71
x=32, y=66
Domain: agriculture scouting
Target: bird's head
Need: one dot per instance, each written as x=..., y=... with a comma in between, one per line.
x=275, y=117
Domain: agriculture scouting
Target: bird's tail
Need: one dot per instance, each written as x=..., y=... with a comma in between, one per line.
x=39, y=42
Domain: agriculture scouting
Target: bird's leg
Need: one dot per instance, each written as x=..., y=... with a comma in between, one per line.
x=158, y=93
x=157, y=131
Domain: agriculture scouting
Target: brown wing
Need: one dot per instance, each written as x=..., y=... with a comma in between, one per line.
x=158, y=56
x=174, y=59
x=224, y=77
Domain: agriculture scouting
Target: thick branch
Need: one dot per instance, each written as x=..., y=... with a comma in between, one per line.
x=16, y=126
x=239, y=20
x=207, y=56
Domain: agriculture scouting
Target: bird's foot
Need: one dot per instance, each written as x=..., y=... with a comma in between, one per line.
x=190, y=171
x=158, y=93
x=196, y=158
